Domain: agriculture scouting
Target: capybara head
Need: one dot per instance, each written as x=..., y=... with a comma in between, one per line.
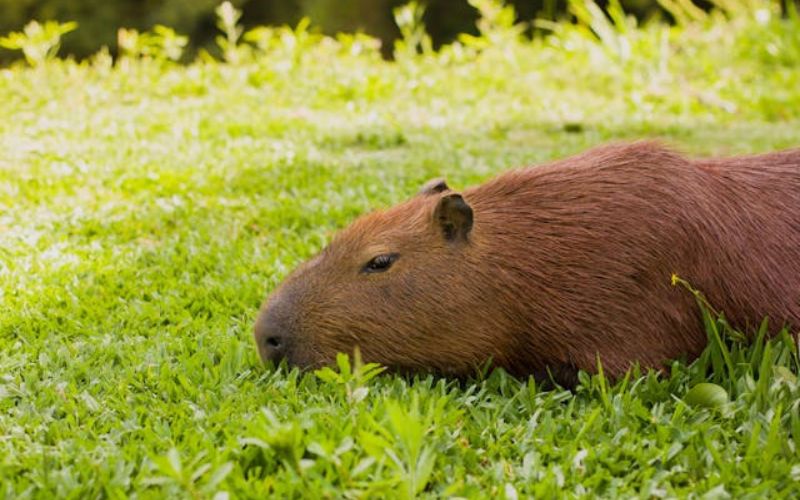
x=396, y=284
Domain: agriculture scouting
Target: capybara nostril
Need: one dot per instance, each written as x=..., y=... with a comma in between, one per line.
x=273, y=347
x=272, y=336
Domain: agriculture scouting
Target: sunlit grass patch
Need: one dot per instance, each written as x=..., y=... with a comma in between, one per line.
x=147, y=208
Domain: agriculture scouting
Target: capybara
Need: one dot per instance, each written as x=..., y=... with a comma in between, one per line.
x=545, y=268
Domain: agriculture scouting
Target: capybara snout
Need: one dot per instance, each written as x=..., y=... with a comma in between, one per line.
x=545, y=269
x=273, y=330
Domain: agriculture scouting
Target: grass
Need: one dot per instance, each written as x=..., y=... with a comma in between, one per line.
x=147, y=208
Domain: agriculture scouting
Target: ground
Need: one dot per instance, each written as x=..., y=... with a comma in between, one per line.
x=147, y=208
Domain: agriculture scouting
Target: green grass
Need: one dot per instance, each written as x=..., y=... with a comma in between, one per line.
x=147, y=208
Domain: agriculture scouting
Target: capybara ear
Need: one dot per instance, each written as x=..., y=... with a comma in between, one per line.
x=433, y=186
x=454, y=216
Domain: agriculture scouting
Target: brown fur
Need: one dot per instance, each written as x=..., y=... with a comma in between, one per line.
x=564, y=262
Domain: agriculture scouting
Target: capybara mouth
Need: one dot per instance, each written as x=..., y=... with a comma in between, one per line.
x=306, y=363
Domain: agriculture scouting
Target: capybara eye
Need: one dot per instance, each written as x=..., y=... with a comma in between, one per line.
x=380, y=263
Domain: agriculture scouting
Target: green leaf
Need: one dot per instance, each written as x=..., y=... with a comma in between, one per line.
x=706, y=395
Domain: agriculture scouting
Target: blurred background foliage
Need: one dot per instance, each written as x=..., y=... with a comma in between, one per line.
x=99, y=20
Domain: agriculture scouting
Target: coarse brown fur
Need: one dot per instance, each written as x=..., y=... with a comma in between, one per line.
x=559, y=263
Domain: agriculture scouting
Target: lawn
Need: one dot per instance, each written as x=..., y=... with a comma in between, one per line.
x=148, y=207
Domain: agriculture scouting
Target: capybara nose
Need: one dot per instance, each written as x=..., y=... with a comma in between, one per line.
x=274, y=347
x=271, y=337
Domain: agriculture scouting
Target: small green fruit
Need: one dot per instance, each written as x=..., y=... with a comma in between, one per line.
x=706, y=395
